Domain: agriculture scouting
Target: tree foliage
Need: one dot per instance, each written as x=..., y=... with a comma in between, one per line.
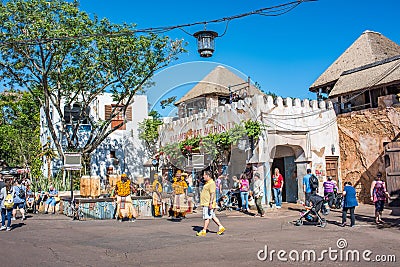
x=148, y=131
x=19, y=130
x=62, y=56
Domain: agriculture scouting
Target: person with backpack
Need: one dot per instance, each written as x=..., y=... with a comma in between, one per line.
x=310, y=186
x=19, y=199
x=378, y=196
x=330, y=188
x=7, y=203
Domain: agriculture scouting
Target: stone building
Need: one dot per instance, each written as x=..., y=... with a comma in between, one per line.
x=364, y=85
x=298, y=135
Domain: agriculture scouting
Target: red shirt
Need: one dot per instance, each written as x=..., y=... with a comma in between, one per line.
x=277, y=182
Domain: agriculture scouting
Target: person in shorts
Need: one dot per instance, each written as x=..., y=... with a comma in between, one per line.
x=51, y=199
x=208, y=203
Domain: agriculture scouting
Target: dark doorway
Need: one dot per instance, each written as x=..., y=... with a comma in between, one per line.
x=287, y=168
x=280, y=164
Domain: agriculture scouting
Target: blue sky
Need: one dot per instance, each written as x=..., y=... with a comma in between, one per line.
x=284, y=54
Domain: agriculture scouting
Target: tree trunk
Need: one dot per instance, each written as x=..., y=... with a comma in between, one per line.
x=48, y=168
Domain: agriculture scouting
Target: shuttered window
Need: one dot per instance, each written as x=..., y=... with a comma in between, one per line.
x=109, y=109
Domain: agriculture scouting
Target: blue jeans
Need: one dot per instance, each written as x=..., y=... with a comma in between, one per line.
x=245, y=200
x=277, y=196
x=3, y=217
x=218, y=195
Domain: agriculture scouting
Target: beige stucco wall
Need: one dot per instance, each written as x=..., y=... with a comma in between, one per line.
x=362, y=136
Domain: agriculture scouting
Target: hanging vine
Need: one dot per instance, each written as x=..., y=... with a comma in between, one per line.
x=216, y=145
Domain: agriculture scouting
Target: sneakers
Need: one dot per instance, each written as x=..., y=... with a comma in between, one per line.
x=8, y=229
x=23, y=218
x=221, y=230
x=13, y=219
x=132, y=220
x=201, y=233
x=3, y=228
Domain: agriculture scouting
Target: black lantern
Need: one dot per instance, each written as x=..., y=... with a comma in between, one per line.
x=205, y=42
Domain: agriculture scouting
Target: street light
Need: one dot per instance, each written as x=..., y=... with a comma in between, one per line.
x=205, y=42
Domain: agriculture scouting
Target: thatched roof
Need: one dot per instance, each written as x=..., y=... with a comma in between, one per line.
x=216, y=83
x=371, y=76
x=370, y=47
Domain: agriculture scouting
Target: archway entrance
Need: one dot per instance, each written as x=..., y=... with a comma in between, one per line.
x=284, y=158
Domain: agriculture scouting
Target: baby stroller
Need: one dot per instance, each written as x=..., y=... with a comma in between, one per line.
x=228, y=201
x=338, y=199
x=311, y=214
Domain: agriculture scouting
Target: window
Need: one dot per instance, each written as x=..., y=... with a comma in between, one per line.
x=74, y=114
x=119, y=118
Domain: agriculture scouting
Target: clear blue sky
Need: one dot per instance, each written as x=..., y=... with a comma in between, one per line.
x=284, y=54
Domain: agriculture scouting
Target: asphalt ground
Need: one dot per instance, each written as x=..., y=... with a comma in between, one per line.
x=56, y=240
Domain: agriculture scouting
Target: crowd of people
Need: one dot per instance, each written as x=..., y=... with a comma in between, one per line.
x=207, y=191
x=16, y=195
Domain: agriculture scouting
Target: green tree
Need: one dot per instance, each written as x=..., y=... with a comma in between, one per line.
x=148, y=131
x=72, y=58
x=19, y=130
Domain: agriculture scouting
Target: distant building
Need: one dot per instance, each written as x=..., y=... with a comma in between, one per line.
x=367, y=70
x=219, y=87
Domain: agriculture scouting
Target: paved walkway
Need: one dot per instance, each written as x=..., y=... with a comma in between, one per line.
x=55, y=240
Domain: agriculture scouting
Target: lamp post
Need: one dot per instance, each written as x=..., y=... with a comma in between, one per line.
x=205, y=42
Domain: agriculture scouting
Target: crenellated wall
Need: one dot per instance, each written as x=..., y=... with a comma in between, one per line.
x=302, y=129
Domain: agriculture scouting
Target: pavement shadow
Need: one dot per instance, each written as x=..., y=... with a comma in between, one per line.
x=296, y=209
x=17, y=225
x=174, y=220
x=197, y=228
x=337, y=223
x=249, y=213
x=389, y=222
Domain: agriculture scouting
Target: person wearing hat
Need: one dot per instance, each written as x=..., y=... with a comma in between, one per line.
x=179, y=192
x=378, y=196
x=258, y=189
x=157, y=200
x=125, y=207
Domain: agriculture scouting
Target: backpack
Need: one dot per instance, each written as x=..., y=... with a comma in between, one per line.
x=9, y=201
x=313, y=182
x=21, y=193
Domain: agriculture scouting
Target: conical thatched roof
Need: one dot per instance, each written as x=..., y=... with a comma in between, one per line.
x=370, y=47
x=217, y=82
